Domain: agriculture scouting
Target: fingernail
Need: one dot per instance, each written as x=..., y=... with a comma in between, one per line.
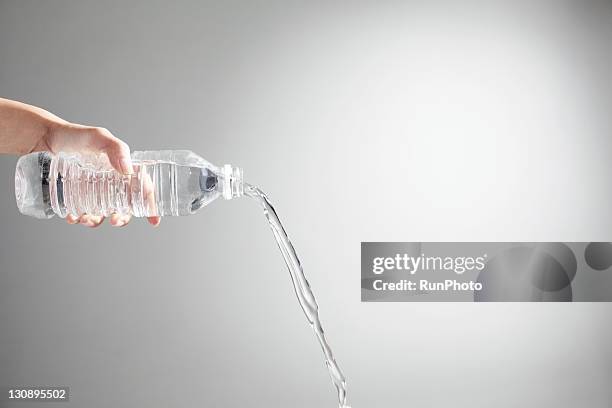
x=126, y=165
x=154, y=222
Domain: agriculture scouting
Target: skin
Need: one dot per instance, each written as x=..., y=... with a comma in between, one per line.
x=25, y=129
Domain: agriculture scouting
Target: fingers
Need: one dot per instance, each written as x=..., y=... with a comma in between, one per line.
x=90, y=221
x=72, y=219
x=149, y=199
x=93, y=221
x=154, y=221
x=118, y=220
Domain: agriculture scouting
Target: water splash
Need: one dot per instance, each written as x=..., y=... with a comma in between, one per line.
x=302, y=289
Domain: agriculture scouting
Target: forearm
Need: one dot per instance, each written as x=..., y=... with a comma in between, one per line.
x=23, y=128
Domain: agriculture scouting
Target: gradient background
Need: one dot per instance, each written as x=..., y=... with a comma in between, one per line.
x=374, y=121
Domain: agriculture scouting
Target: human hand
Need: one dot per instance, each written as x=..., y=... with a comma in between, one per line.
x=69, y=137
x=25, y=129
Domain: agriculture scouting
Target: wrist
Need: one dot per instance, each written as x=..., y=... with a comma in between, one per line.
x=54, y=128
x=44, y=141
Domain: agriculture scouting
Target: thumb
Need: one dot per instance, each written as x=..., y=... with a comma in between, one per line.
x=118, y=152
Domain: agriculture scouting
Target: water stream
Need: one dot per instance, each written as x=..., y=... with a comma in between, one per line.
x=302, y=289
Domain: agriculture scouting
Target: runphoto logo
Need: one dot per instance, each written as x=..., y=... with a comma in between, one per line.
x=412, y=264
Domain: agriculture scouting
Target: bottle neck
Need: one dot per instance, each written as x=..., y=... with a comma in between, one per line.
x=232, y=185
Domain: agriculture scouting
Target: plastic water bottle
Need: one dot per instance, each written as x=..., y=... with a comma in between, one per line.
x=166, y=182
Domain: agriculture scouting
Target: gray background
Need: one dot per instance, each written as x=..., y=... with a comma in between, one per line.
x=374, y=121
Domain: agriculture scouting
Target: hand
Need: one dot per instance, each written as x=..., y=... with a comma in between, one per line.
x=25, y=129
x=77, y=138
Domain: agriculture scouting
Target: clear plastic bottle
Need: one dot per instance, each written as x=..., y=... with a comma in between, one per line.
x=166, y=182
